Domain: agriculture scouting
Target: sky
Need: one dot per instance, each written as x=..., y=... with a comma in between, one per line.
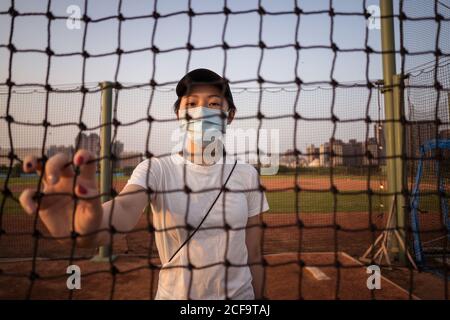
x=278, y=65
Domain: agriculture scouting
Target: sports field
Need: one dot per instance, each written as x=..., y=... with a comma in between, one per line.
x=319, y=210
x=317, y=206
x=315, y=195
x=348, y=100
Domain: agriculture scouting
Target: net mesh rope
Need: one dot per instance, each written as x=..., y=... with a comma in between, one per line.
x=427, y=94
x=311, y=233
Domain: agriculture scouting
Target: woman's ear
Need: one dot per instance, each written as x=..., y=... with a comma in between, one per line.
x=231, y=114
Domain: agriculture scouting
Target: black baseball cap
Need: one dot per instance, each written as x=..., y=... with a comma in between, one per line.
x=205, y=76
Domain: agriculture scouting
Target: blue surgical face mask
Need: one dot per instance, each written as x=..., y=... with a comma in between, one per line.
x=203, y=124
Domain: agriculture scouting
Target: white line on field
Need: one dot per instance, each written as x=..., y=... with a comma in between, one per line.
x=440, y=260
x=317, y=273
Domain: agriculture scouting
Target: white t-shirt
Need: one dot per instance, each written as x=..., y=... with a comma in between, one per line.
x=207, y=249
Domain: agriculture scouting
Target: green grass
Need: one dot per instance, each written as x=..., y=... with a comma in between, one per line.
x=319, y=202
x=279, y=202
x=431, y=202
x=322, y=176
x=19, y=181
x=33, y=180
x=309, y=202
x=11, y=206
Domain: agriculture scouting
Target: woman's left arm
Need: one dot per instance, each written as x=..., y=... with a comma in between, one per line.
x=253, y=241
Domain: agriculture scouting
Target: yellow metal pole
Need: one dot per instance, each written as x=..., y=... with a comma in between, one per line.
x=389, y=70
x=105, y=252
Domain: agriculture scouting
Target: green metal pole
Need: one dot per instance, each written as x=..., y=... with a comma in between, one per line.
x=389, y=69
x=400, y=165
x=104, y=252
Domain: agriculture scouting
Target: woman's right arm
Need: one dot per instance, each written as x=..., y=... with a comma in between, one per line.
x=61, y=189
x=122, y=213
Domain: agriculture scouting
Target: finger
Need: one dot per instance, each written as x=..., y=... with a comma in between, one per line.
x=57, y=166
x=88, y=195
x=32, y=164
x=27, y=202
x=86, y=161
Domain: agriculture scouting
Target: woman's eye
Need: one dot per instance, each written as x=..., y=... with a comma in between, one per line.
x=215, y=104
x=190, y=104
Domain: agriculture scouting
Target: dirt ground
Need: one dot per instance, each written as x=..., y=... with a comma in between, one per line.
x=317, y=234
x=274, y=183
x=282, y=234
x=317, y=279
x=320, y=183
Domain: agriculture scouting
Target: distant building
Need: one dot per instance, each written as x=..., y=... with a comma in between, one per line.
x=353, y=153
x=416, y=133
x=376, y=147
x=52, y=150
x=89, y=142
x=381, y=142
x=19, y=152
x=117, y=148
x=288, y=159
x=23, y=152
x=324, y=157
x=312, y=153
x=337, y=148
x=346, y=154
x=314, y=164
x=371, y=147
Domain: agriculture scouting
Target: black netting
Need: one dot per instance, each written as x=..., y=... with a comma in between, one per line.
x=318, y=91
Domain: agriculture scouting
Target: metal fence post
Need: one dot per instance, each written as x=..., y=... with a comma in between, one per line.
x=105, y=252
x=389, y=70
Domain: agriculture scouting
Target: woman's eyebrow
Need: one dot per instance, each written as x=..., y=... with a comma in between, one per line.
x=210, y=96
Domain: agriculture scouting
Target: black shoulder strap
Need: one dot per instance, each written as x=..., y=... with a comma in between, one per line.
x=206, y=215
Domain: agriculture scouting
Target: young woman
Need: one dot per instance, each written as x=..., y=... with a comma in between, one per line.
x=209, y=241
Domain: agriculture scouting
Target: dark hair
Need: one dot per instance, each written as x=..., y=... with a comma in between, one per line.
x=176, y=105
x=203, y=76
